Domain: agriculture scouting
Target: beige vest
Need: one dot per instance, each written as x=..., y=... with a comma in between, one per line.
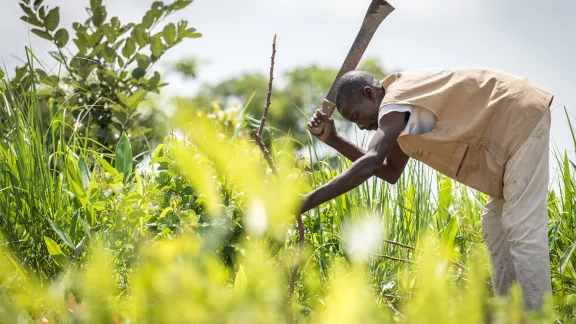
x=483, y=116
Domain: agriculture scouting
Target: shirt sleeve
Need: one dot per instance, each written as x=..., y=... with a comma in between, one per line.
x=398, y=108
x=388, y=108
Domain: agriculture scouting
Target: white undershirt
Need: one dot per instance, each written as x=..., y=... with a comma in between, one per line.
x=421, y=120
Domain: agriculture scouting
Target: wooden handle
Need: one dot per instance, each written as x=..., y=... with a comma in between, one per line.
x=327, y=108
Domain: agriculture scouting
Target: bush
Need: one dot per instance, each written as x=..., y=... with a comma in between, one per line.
x=105, y=79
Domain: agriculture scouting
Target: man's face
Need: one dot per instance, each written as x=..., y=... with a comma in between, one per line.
x=363, y=112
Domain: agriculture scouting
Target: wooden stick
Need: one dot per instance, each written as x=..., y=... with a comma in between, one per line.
x=258, y=133
x=258, y=138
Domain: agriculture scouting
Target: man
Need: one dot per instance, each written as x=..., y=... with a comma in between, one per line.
x=484, y=128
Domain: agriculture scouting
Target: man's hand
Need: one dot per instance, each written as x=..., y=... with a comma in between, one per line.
x=329, y=132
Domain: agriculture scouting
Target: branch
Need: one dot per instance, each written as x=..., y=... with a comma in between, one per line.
x=265, y=152
x=377, y=254
x=396, y=311
x=258, y=133
x=400, y=244
x=459, y=265
x=258, y=138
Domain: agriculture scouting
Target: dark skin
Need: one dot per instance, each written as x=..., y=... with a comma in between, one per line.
x=383, y=159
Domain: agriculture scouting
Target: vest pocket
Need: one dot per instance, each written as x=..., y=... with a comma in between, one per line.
x=481, y=170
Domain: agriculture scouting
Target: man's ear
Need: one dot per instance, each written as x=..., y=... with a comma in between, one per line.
x=368, y=92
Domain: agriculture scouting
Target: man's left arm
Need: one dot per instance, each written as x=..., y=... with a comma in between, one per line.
x=391, y=125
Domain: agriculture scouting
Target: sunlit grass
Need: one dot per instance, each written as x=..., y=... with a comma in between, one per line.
x=208, y=235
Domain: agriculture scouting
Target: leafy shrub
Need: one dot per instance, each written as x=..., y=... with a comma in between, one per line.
x=105, y=79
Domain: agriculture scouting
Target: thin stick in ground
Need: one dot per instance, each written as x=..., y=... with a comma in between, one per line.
x=258, y=132
x=258, y=139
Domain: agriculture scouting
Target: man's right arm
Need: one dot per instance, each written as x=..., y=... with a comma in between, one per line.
x=393, y=165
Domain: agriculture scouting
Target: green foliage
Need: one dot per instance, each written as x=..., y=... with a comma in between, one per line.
x=113, y=63
x=207, y=224
x=305, y=89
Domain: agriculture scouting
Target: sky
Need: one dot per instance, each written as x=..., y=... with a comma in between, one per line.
x=534, y=39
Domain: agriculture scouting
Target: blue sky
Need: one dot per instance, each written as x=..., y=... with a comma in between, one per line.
x=535, y=39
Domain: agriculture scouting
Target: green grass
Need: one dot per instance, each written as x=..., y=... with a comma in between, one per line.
x=87, y=241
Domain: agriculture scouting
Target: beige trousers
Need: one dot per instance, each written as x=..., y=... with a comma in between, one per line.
x=516, y=227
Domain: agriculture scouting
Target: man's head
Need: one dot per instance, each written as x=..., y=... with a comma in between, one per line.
x=358, y=98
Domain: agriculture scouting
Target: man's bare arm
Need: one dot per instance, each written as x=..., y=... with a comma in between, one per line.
x=364, y=167
x=392, y=168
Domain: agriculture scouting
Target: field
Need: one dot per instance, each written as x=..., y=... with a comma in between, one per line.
x=204, y=230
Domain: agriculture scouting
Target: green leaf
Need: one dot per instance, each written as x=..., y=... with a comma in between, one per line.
x=143, y=61
x=181, y=4
x=61, y=37
x=53, y=247
x=115, y=23
x=82, y=41
x=124, y=157
x=156, y=46
x=148, y=19
x=73, y=226
x=191, y=33
x=165, y=212
x=445, y=198
x=137, y=214
x=565, y=259
x=61, y=234
x=58, y=56
x=37, y=3
x=106, y=165
x=129, y=48
x=87, y=227
x=140, y=35
x=55, y=252
x=109, y=54
x=32, y=21
x=99, y=205
x=134, y=100
x=52, y=19
x=238, y=130
x=78, y=192
x=157, y=6
x=96, y=38
x=84, y=172
x=42, y=34
x=154, y=80
x=1, y=74
x=169, y=34
x=99, y=16
x=567, y=179
x=137, y=73
x=140, y=186
x=240, y=282
x=182, y=24
x=450, y=231
x=110, y=33
x=27, y=9
x=133, y=196
x=95, y=4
